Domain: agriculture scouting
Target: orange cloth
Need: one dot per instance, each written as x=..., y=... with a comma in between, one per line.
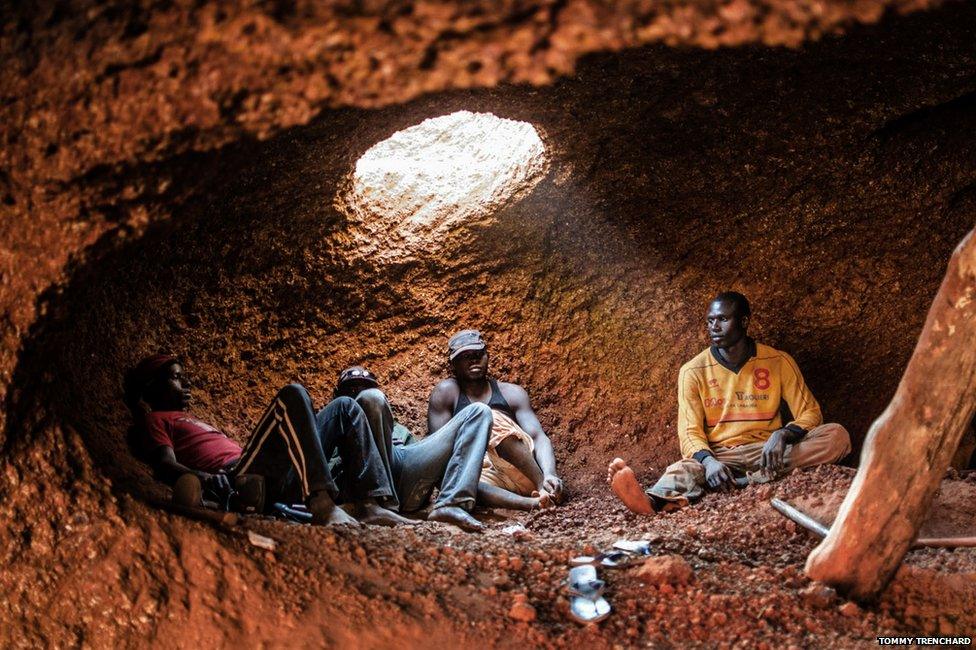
x=497, y=471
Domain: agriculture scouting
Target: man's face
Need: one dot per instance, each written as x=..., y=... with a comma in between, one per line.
x=471, y=365
x=725, y=327
x=170, y=391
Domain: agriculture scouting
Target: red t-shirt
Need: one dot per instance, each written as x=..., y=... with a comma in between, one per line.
x=196, y=444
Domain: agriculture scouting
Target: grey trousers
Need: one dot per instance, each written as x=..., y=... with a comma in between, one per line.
x=449, y=458
x=684, y=481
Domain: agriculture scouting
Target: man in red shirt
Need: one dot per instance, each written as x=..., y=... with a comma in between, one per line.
x=288, y=447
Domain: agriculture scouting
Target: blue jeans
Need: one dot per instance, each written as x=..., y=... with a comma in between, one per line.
x=291, y=443
x=449, y=458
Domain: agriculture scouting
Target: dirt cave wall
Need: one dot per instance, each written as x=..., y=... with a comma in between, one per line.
x=828, y=183
x=591, y=289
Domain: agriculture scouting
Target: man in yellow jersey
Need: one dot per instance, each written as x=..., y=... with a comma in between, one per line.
x=731, y=422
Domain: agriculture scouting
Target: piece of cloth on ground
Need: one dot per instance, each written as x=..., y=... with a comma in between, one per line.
x=497, y=471
x=684, y=481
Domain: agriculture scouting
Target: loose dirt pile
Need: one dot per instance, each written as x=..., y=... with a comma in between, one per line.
x=378, y=586
x=828, y=183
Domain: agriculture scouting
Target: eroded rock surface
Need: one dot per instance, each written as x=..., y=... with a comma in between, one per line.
x=167, y=180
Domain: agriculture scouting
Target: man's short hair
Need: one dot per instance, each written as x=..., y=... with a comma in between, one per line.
x=738, y=301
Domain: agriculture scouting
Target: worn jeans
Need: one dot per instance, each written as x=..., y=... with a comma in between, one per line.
x=290, y=445
x=449, y=458
x=684, y=481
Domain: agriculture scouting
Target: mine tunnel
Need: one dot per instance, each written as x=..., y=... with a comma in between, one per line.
x=828, y=181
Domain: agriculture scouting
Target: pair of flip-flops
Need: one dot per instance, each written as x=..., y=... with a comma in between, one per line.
x=625, y=553
x=586, y=601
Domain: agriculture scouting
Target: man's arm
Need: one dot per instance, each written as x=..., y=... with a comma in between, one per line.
x=162, y=458
x=806, y=410
x=691, y=418
x=440, y=405
x=168, y=469
x=691, y=432
x=516, y=452
x=496, y=497
x=518, y=399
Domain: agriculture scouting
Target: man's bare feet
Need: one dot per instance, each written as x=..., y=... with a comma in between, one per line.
x=624, y=484
x=326, y=513
x=457, y=516
x=374, y=514
x=544, y=500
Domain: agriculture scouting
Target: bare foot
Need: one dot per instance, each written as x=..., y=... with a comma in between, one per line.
x=457, y=516
x=544, y=500
x=624, y=484
x=326, y=513
x=374, y=514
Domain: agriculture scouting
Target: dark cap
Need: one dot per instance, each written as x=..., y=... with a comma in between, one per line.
x=356, y=373
x=463, y=341
x=144, y=373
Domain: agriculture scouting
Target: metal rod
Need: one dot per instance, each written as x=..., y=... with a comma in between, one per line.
x=800, y=518
x=945, y=542
x=815, y=527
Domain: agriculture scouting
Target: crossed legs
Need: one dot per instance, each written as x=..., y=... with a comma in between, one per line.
x=684, y=481
x=286, y=449
x=450, y=459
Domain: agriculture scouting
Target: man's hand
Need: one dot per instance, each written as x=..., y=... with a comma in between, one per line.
x=772, y=451
x=718, y=475
x=218, y=484
x=553, y=485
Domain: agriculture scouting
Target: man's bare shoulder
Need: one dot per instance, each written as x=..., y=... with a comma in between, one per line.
x=445, y=389
x=513, y=392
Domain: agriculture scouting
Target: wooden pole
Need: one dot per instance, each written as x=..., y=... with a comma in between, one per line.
x=908, y=448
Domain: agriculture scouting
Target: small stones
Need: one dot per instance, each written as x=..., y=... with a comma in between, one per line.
x=818, y=595
x=849, y=609
x=521, y=610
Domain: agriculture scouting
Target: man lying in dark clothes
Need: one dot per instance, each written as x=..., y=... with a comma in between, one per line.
x=288, y=447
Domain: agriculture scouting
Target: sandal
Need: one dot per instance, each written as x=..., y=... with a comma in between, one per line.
x=586, y=601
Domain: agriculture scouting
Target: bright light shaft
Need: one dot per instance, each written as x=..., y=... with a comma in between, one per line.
x=421, y=182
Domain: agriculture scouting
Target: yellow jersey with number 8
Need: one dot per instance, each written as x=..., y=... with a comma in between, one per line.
x=723, y=406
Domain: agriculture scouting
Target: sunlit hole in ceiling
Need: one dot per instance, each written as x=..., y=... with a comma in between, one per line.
x=425, y=180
